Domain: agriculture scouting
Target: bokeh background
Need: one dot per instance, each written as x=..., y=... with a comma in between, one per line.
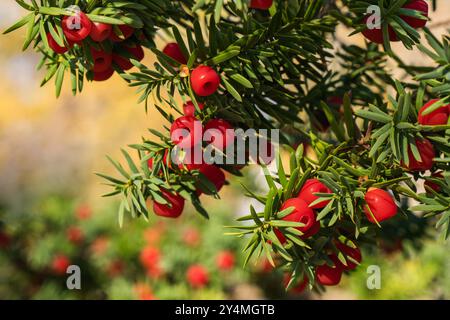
x=52, y=213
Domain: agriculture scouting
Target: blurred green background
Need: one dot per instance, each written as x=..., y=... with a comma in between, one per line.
x=52, y=213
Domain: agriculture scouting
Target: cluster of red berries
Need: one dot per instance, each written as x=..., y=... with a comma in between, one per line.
x=330, y=275
x=185, y=135
x=74, y=233
x=380, y=204
x=439, y=116
x=204, y=80
x=303, y=210
x=327, y=275
x=379, y=207
x=198, y=276
x=376, y=35
x=426, y=150
x=102, y=67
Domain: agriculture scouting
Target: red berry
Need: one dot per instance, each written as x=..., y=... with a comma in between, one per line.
x=433, y=185
x=376, y=35
x=137, y=52
x=426, y=151
x=213, y=174
x=77, y=27
x=189, y=108
x=302, y=213
x=83, y=212
x=150, y=257
x=100, y=245
x=197, y=276
x=297, y=288
x=225, y=260
x=266, y=266
x=328, y=276
x=191, y=237
x=173, y=50
x=419, y=5
x=205, y=81
x=353, y=253
x=100, y=31
x=221, y=133
x=126, y=30
x=75, y=235
x=103, y=76
x=102, y=60
x=261, y=4
x=381, y=204
x=311, y=232
x=310, y=187
x=54, y=45
x=123, y=62
x=186, y=132
x=60, y=264
x=173, y=209
x=436, y=117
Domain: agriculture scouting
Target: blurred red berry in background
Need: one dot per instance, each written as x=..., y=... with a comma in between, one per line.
x=83, y=212
x=197, y=276
x=150, y=257
x=225, y=260
x=59, y=264
x=75, y=235
x=99, y=245
x=191, y=237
